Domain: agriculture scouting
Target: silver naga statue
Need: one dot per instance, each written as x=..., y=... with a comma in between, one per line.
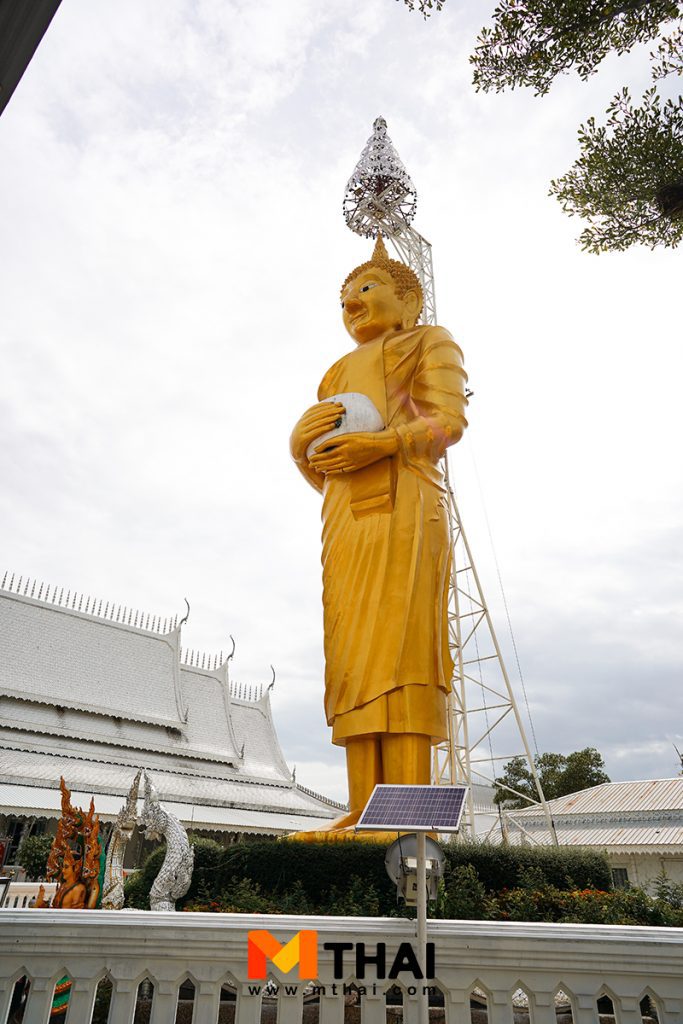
x=112, y=889
x=175, y=875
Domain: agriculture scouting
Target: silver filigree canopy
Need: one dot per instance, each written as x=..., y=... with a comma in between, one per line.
x=380, y=190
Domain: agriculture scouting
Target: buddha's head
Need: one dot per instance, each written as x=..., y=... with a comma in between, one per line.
x=379, y=296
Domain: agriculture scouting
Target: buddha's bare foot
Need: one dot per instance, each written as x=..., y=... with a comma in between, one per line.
x=340, y=828
x=345, y=821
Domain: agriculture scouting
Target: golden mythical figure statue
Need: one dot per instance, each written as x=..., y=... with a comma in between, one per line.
x=76, y=859
x=386, y=544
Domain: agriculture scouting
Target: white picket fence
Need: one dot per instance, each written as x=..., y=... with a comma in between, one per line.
x=127, y=948
x=20, y=894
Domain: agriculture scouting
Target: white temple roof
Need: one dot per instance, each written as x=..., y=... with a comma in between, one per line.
x=30, y=801
x=43, y=770
x=255, y=733
x=93, y=697
x=206, y=695
x=59, y=656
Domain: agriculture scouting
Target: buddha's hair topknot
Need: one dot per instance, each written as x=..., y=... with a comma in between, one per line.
x=405, y=279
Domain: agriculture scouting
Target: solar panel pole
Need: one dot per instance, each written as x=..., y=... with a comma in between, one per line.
x=423, y=995
x=380, y=196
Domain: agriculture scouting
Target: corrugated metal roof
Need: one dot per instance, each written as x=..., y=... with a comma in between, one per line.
x=613, y=797
x=608, y=838
x=31, y=800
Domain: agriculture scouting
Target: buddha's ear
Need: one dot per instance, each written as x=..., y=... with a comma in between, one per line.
x=411, y=308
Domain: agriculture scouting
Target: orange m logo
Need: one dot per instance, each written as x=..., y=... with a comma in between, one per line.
x=302, y=949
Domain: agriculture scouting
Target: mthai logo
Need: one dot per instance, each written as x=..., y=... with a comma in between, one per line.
x=302, y=949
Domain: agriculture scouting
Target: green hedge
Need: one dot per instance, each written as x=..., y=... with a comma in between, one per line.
x=324, y=870
x=505, y=867
x=347, y=876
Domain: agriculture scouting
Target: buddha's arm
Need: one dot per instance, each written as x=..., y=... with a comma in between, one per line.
x=438, y=396
x=315, y=422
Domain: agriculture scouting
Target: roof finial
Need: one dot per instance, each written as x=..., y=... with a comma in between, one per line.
x=187, y=613
x=380, y=188
x=272, y=683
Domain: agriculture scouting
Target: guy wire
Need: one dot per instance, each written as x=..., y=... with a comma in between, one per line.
x=502, y=591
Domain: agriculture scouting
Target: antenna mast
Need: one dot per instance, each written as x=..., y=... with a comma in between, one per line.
x=380, y=196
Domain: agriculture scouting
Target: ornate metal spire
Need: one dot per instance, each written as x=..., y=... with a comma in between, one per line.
x=380, y=190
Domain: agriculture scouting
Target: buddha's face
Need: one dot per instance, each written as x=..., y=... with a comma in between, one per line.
x=370, y=306
x=71, y=871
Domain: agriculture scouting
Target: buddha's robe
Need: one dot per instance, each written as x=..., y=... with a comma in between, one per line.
x=386, y=546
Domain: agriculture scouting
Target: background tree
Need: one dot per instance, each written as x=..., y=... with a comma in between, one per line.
x=425, y=6
x=559, y=774
x=628, y=181
x=32, y=856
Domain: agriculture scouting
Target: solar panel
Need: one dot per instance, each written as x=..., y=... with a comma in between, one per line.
x=414, y=809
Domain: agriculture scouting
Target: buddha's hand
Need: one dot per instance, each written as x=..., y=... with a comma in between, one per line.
x=349, y=452
x=315, y=421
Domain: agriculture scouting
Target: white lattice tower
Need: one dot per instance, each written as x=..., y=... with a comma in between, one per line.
x=380, y=196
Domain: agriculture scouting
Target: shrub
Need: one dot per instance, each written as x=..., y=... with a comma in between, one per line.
x=294, y=901
x=357, y=900
x=634, y=906
x=32, y=856
x=323, y=871
x=463, y=895
x=584, y=906
x=243, y=897
x=136, y=888
x=667, y=891
x=501, y=867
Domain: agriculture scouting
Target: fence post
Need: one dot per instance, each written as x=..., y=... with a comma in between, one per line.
x=39, y=1000
x=82, y=998
x=290, y=1005
x=207, y=998
x=248, y=1008
x=331, y=1007
x=123, y=999
x=373, y=1008
x=164, y=1003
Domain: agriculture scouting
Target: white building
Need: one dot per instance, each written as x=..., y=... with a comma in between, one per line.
x=92, y=693
x=638, y=824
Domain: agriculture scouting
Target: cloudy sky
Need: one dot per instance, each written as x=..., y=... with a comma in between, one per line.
x=171, y=251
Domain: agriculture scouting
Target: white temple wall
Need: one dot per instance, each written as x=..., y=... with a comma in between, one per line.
x=644, y=868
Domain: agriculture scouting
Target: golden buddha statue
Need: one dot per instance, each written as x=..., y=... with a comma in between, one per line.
x=386, y=544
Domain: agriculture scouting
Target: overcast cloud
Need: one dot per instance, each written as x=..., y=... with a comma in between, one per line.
x=172, y=248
